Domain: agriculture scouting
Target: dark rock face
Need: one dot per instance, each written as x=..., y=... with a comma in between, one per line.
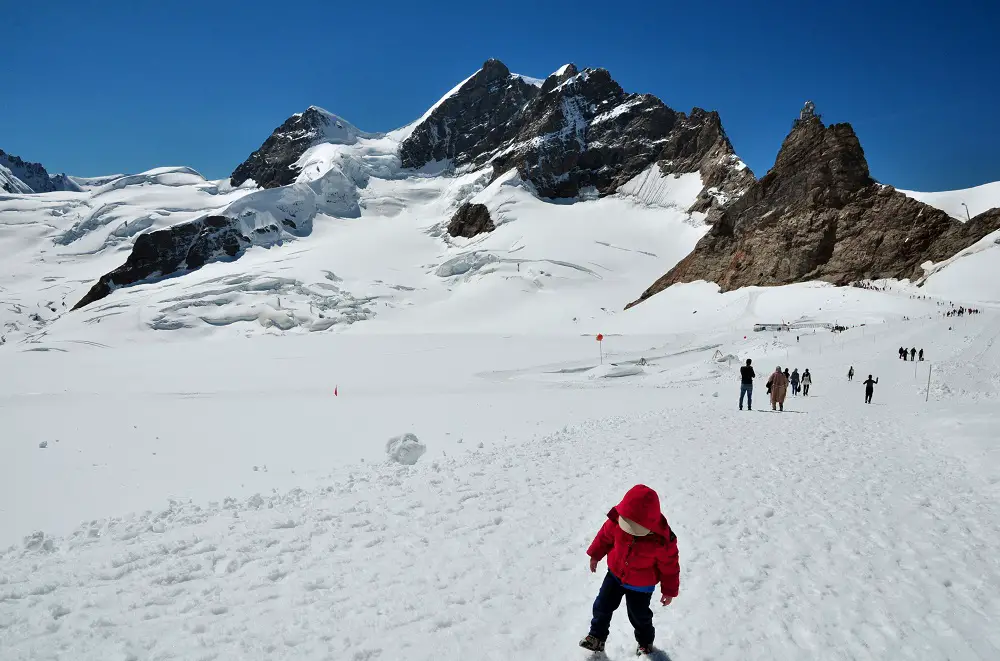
x=585, y=132
x=273, y=164
x=184, y=247
x=470, y=220
x=818, y=214
x=578, y=130
x=698, y=143
x=28, y=177
x=472, y=122
x=965, y=234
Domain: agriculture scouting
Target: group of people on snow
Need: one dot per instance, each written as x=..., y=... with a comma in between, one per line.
x=912, y=354
x=777, y=385
x=780, y=380
x=962, y=311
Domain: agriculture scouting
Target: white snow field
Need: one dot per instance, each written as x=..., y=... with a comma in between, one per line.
x=269, y=523
x=961, y=204
x=370, y=440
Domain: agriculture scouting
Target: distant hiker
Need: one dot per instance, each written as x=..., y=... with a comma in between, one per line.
x=747, y=376
x=794, y=380
x=921, y=355
x=778, y=387
x=807, y=380
x=850, y=373
x=902, y=353
x=869, y=388
x=797, y=338
x=913, y=353
x=641, y=551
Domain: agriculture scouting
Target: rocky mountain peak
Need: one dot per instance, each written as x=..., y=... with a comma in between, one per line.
x=273, y=164
x=20, y=176
x=473, y=121
x=818, y=215
x=698, y=143
x=493, y=69
x=826, y=161
x=561, y=75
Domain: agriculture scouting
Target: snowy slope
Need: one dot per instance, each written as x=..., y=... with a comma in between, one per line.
x=975, y=272
x=368, y=242
x=832, y=531
x=9, y=182
x=20, y=176
x=978, y=199
x=191, y=468
x=56, y=244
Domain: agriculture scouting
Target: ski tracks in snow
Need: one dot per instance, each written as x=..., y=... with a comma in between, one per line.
x=834, y=535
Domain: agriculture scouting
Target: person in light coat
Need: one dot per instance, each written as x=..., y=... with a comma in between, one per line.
x=779, y=388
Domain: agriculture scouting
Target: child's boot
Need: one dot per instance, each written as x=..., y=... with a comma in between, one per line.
x=592, y=643
x=644, y=650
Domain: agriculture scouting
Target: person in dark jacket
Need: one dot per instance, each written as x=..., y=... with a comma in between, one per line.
x=807, y=380
x=921, y=355
x=641, y=551
x=913, y=353
x=794, y=380
x=869, y=388
x=747, y=376
x=850, y=373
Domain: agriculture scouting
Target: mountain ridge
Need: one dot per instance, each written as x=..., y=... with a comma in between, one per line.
x=819, y=215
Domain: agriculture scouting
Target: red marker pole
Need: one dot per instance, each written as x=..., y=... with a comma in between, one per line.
x=600, y=344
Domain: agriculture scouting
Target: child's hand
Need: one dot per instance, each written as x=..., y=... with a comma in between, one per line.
x=665, y=600
x=593, y=566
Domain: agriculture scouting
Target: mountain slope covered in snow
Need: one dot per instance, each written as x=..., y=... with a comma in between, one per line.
x=961, y=204
x=585, y=195
x=20, y=176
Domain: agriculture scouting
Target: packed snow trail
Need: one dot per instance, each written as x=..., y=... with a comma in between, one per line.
x=832, y=531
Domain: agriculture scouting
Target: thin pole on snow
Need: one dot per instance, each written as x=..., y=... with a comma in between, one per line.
x=928, y=398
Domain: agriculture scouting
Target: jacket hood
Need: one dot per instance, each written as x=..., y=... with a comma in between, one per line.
x=642, y=505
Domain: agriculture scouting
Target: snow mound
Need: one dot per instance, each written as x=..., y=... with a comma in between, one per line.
x=406, y=449
x=466, y=264
x=615, y=371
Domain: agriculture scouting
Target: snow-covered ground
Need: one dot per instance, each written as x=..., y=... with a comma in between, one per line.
x=268, y=521
x=200, y=467
x=962, y=204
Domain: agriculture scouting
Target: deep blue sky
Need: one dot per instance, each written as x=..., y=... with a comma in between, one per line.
x=112, y=86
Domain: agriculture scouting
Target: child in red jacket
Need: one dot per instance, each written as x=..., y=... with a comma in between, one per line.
x=641, y=551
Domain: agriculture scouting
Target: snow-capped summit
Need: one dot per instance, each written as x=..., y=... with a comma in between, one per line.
x=274, y=163
x=578, y=131
x=20, y=176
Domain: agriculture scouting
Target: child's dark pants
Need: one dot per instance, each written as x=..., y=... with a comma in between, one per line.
x=637, y=604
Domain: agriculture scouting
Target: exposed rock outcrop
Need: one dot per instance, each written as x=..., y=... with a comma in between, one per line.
x=261, y=218
x=183, y=247
x=470, y=220
x=274, y=163
x=20, y=176
x=579, y=130
x=698, y=143
x=818, y=215
x=471, y=123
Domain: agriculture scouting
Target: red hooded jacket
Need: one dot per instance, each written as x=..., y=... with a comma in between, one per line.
x=639, y=561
